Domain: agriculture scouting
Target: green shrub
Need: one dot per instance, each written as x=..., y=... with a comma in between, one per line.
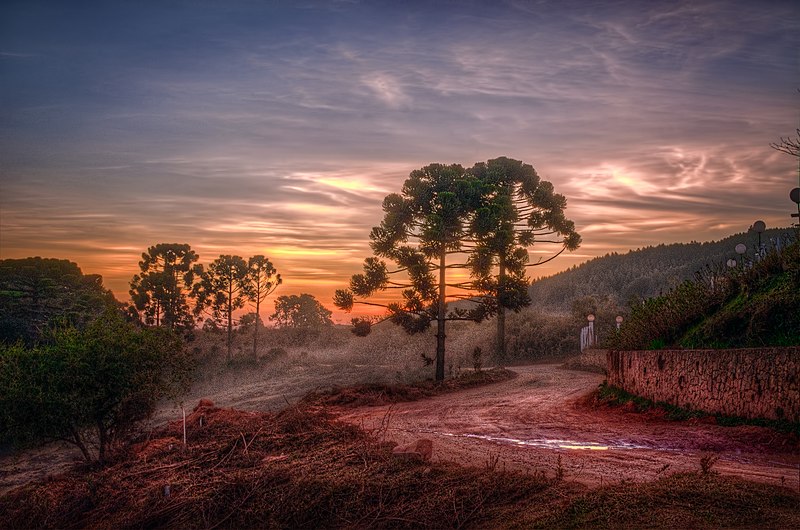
x=533, y=335
x=91, y=387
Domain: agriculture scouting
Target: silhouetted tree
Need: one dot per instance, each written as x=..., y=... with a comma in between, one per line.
x=489, y=215
x=300, y=311
x=224, y=287
x=263, y=279
x=39, y=294
x=517, y=210
x=790, y=146
x=421, y=227
x=168, y=274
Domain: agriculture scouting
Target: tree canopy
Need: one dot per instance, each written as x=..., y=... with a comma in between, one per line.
x=302, y=311
x=160, y=290
x=263, y=279
x=516, y=210
x=422, y=226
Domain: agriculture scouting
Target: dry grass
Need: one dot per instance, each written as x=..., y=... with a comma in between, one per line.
x=303, y=468
x=686, y=500
x=299, y=468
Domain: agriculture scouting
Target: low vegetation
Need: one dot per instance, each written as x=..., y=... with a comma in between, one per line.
x=302, y=468
x=612, y=396
x=682, y=500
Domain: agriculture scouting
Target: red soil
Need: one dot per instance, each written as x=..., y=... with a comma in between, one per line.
x=544, y=415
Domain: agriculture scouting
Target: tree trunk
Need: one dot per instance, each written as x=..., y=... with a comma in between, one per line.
x=255, y=330
x=102, y=442
x=501, y=313
x=230, y=319
x=77, y=439
x=440, y=336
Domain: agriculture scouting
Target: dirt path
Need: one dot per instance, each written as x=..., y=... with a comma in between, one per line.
x=530, y=422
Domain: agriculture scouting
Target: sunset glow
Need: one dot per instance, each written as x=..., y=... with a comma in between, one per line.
x=277, y=128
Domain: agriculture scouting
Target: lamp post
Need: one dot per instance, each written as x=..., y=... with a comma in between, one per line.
x=740, y=249
x=590, y=318
x=619, y=322
x=795, y=196
x=759, y=227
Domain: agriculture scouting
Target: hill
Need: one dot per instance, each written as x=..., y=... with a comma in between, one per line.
x=751, y=306
x=643, y=273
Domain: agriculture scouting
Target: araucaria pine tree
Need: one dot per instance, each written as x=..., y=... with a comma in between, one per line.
x=421, y=228
x=224, y=287
x=263, y=279
x=168, y=274
x=447, y=218
x=517, y=210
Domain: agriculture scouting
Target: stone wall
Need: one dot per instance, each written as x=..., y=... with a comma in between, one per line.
x=751, y=383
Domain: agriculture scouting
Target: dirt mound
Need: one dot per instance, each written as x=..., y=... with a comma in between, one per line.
x=382, y=394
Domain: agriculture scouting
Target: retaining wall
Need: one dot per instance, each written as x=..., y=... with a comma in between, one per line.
x=751, y=383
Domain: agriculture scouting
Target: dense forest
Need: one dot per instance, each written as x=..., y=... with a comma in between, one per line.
x=644, y=273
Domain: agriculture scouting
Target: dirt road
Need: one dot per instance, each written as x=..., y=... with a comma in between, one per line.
x=530, y=422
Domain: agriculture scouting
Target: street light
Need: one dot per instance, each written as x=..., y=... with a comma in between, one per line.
x=740, y=249
x=795, y=196
x=759, y=227
x=619, y=321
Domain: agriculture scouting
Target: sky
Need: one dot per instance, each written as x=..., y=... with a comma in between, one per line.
x=276, y=127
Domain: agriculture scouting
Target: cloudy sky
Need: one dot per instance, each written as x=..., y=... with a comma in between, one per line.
x=277, y=127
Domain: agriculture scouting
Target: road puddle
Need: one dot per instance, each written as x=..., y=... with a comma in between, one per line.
x=546, y=442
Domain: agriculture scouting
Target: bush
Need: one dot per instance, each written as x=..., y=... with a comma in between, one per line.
x=91, y=388
x=534, y=335
x=274, y=354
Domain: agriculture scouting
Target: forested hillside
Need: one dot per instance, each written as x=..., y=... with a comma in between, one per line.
x=643, y=273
